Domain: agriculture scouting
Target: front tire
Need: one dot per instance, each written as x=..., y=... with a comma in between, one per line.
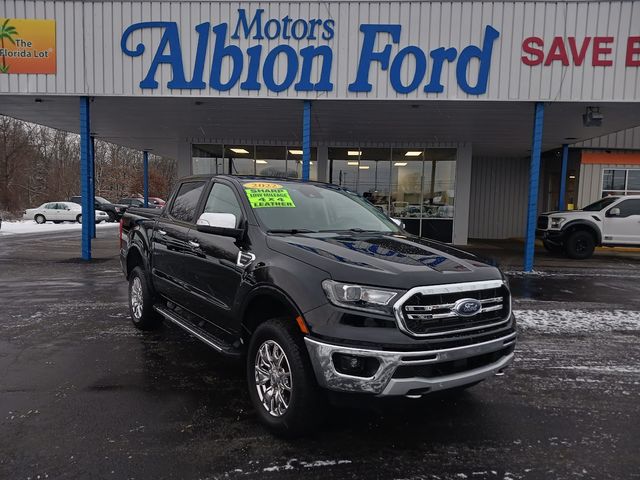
x=141, y=300
x=580, y=245
x=112, y=216
x=282, y=383
x=40, y=219
x=79, y=219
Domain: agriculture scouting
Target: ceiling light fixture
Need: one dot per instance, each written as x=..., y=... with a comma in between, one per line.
x=572, y=177
x=400, y=164
x=262, y=162
x=352, y=164
x=413, y=153
x=354, y=153
x=239, y=150
x=296, y=152
x=364, y=167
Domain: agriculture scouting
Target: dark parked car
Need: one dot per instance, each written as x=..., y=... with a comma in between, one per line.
x=138, y=202
x=316, y=290
x=114, y=210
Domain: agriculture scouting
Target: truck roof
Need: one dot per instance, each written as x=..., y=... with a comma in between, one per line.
x=257, y=178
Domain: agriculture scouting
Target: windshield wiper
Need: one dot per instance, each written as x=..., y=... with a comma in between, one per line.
x=291, y=231
x=354, y=230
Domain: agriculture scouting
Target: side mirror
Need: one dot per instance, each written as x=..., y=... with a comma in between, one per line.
x=614, y=212
x=223, y=224
x=398, y=222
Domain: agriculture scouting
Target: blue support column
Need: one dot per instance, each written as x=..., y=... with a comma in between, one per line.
x=85, y=176
x=145, y=177
x=306, y=140
x=534, y=181
x=92, y=184
x=563, y=176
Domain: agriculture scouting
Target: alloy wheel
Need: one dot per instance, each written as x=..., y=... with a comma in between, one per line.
x=136, y=298
x=273, y=378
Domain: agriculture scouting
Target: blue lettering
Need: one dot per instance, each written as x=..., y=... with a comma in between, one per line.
x=170, y=39
x=308, y=54
x=252, y=83
x=267, y=29
x=269, y=66
x=484, y=55
x=396, y=68
x=246, y=26
x=367, y=55
x=220, y=51
x=328, y=26
x=439, y=55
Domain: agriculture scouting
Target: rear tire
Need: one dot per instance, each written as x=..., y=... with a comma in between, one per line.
x=141, y=300
x=281, y=380
x=40, y=219
x=580, y=245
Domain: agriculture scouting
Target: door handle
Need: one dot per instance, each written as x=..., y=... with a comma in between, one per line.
x=162, y=232
x=194, y=244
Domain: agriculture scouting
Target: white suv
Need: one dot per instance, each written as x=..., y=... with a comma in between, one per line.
x=611, y=221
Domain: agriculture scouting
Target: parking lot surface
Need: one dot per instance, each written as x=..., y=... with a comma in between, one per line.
x=85, y=395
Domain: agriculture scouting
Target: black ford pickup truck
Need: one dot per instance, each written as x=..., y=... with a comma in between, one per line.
x=314, y=288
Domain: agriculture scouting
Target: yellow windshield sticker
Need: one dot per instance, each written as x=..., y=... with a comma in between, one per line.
x=269, y=197
x=262, y=185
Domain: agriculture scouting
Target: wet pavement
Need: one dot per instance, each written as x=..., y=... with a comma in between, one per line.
x=85, y=395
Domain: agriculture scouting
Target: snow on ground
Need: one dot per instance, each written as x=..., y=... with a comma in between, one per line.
x=577, y=320
x=30, y=226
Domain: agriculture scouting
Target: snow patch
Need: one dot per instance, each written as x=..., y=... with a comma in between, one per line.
x=577, y=320
x=29, y=226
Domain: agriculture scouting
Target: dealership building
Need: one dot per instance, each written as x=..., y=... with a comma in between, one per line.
x=463, y=118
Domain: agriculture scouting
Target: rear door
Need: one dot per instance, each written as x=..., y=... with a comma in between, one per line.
x=212, y=270
x=623, y=228
x=170, y=248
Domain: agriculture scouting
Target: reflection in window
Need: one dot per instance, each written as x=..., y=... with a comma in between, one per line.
x=184, y=206
x=620, y=181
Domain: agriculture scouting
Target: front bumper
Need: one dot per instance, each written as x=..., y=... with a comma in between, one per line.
x=385, y=382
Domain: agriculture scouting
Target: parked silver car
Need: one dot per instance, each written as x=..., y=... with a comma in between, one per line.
x=60, y=212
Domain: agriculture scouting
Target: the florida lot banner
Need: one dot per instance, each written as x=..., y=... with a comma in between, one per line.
x=27, y=45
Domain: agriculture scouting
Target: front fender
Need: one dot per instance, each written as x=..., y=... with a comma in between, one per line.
x=572, y=224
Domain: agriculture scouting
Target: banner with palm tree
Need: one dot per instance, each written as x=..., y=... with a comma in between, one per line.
x=27, y=46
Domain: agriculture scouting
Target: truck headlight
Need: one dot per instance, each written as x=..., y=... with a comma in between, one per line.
x=359, y=297
x=556, y=222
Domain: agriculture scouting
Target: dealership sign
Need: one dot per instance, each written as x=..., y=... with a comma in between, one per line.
x=303, y=56
x=255, y=67
x=27, y=46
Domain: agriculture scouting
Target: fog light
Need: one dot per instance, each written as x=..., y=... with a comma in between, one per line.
x=355, y=365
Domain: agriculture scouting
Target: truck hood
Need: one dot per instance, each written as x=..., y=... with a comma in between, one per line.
x=385, y=260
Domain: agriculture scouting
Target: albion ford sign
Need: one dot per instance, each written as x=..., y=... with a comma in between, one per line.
x=306, y=46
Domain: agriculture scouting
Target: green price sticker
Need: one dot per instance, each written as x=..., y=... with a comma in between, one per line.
x=269, y=198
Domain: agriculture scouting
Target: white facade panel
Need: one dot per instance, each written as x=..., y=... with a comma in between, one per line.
x=590, y=186
x=498, y=204
x=628, y=139
x=90, y=60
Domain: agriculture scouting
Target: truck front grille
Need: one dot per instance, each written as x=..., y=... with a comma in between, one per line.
x=430, y=312
x=543, y=222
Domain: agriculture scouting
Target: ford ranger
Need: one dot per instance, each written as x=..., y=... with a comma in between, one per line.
x=314, y=289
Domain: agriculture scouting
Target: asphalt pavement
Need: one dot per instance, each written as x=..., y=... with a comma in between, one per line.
x=85, y=395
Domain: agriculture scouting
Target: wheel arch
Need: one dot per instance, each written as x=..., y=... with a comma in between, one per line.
x=135, y=259
x=264, y=303
x=583, y=225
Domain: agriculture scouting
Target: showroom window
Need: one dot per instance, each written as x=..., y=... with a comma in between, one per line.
x=619, y=181
x=415, y=185
x=284, y=161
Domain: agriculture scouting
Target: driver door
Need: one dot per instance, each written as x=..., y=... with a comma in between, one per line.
x=212, y=269
x=623, y=228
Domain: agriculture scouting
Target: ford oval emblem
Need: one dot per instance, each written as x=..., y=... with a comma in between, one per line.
x=467, y=307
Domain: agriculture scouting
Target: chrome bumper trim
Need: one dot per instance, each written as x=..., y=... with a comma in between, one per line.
x=382, y=383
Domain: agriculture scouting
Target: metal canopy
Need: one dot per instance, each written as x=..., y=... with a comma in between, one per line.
x=159, y=125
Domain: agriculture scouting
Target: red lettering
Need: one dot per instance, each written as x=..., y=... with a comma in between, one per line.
x=537, y=53
x=600, y=49
x=557, y=51
x=633, y=48
x=578, y=57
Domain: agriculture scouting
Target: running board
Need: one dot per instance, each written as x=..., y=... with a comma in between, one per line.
x=201, y=334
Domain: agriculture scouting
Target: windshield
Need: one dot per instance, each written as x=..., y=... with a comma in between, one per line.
x=305, y=207
x=102, y=200
x=600, y=204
